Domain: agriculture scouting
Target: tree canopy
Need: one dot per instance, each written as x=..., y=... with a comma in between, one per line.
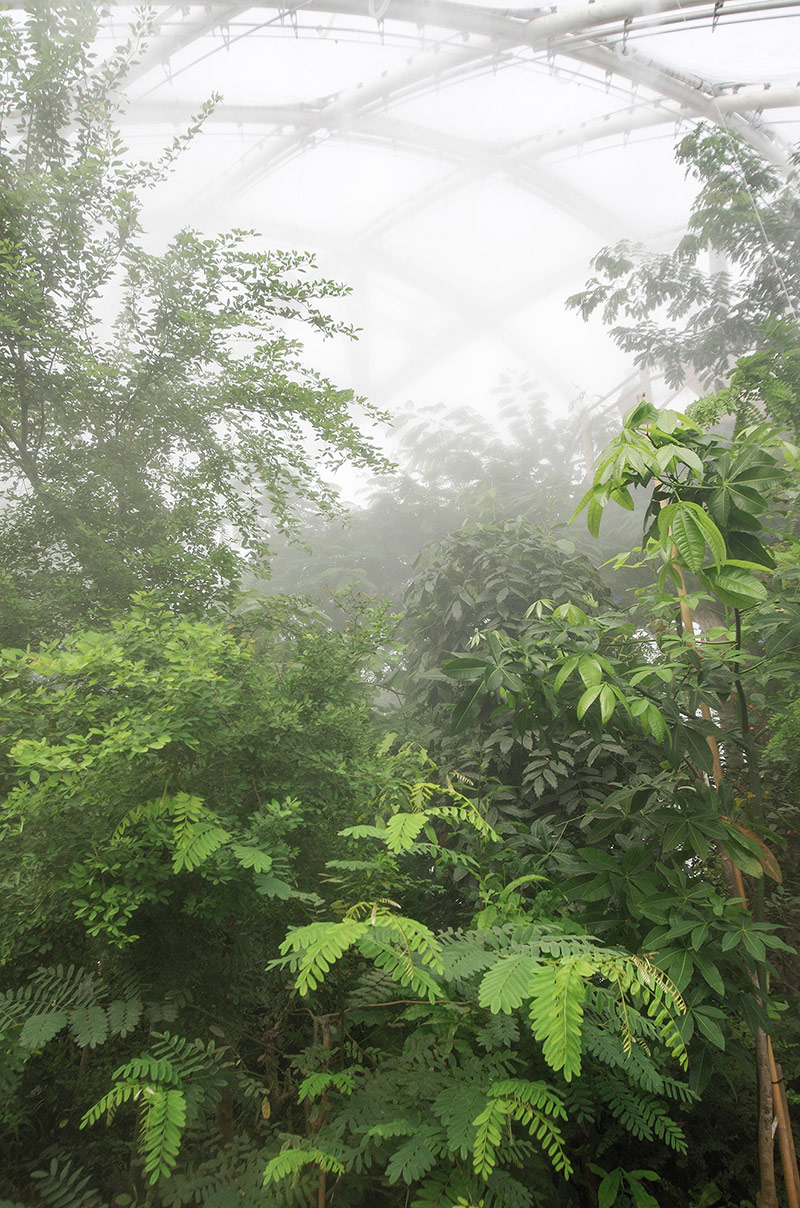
x=160, y=446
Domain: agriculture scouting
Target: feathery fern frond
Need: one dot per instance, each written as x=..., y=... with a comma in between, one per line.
x=38, y=1029
x=463, y=958
x=537, y=1107
x=200, y=842
x=290, y=1161
x=392, y=1128
x=89, y=1025
x=400, y=965
x=402, y=830
x=504, y=1191
x=317, y=1084
x=556, y=1012
x=64, y=1185
x=466, y=811
x=508, y=983
x=176, y=1077
x=415, y=1157
x=643, y=1116
x=163, y=1122
x=311, y=950
x=448, y=1189
x=124, y=1015
x=489, y=1127
x=457, y=1106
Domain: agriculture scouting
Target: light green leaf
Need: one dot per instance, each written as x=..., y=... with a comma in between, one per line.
x=594, y=517
x=608, y=702
x=556, y=1012
x=711, y=534
x=251, y=857
x=402, y=830
x=507, y=984
x=608, y=1189
x=565, y=671
x=588, y=699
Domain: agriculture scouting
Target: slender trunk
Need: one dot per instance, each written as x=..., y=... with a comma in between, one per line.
x=768, y=1195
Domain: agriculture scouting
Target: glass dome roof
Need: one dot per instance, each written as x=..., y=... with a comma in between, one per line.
x=458, y=164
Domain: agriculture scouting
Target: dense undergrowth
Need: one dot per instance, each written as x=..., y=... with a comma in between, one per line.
x=464, y=877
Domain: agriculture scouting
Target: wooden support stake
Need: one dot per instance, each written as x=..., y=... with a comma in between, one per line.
x=785, y=1138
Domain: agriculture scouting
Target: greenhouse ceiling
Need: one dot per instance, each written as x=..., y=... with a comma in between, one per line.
x=457, y=164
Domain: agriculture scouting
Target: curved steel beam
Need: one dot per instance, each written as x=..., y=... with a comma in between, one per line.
x=573, y=34
x=695, y=97
x=555, y=31
x=303, y=117
x=162, y=46
x=348, y=113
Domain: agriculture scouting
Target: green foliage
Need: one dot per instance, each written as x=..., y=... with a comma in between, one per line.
x=405, y=948
x=65, y=1185
x=459, y=470
x=543, y=969
x=625, y=1187
x=137, y=455
x=169, y=756
x=672, y=311
x=175, y=1076
x=531, y=1104
x=289, y=1161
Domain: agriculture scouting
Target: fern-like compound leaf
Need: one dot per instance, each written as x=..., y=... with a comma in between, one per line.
x=536, y=1094
x=457, y=1106
x=489, y=1125
x=38, y=1029
x=314, y=948
x=252, y=857
x=62, y=1185
x=89, y=1025
x=162, y=1127
x=316, y=1084
x=462, y=959
x=508, y=983
x=556, y=1012
x=200, y=842
x=399, y=963
x=290, y=1161
x=402, y=830
x=413, y=1159
x=124, y=1015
